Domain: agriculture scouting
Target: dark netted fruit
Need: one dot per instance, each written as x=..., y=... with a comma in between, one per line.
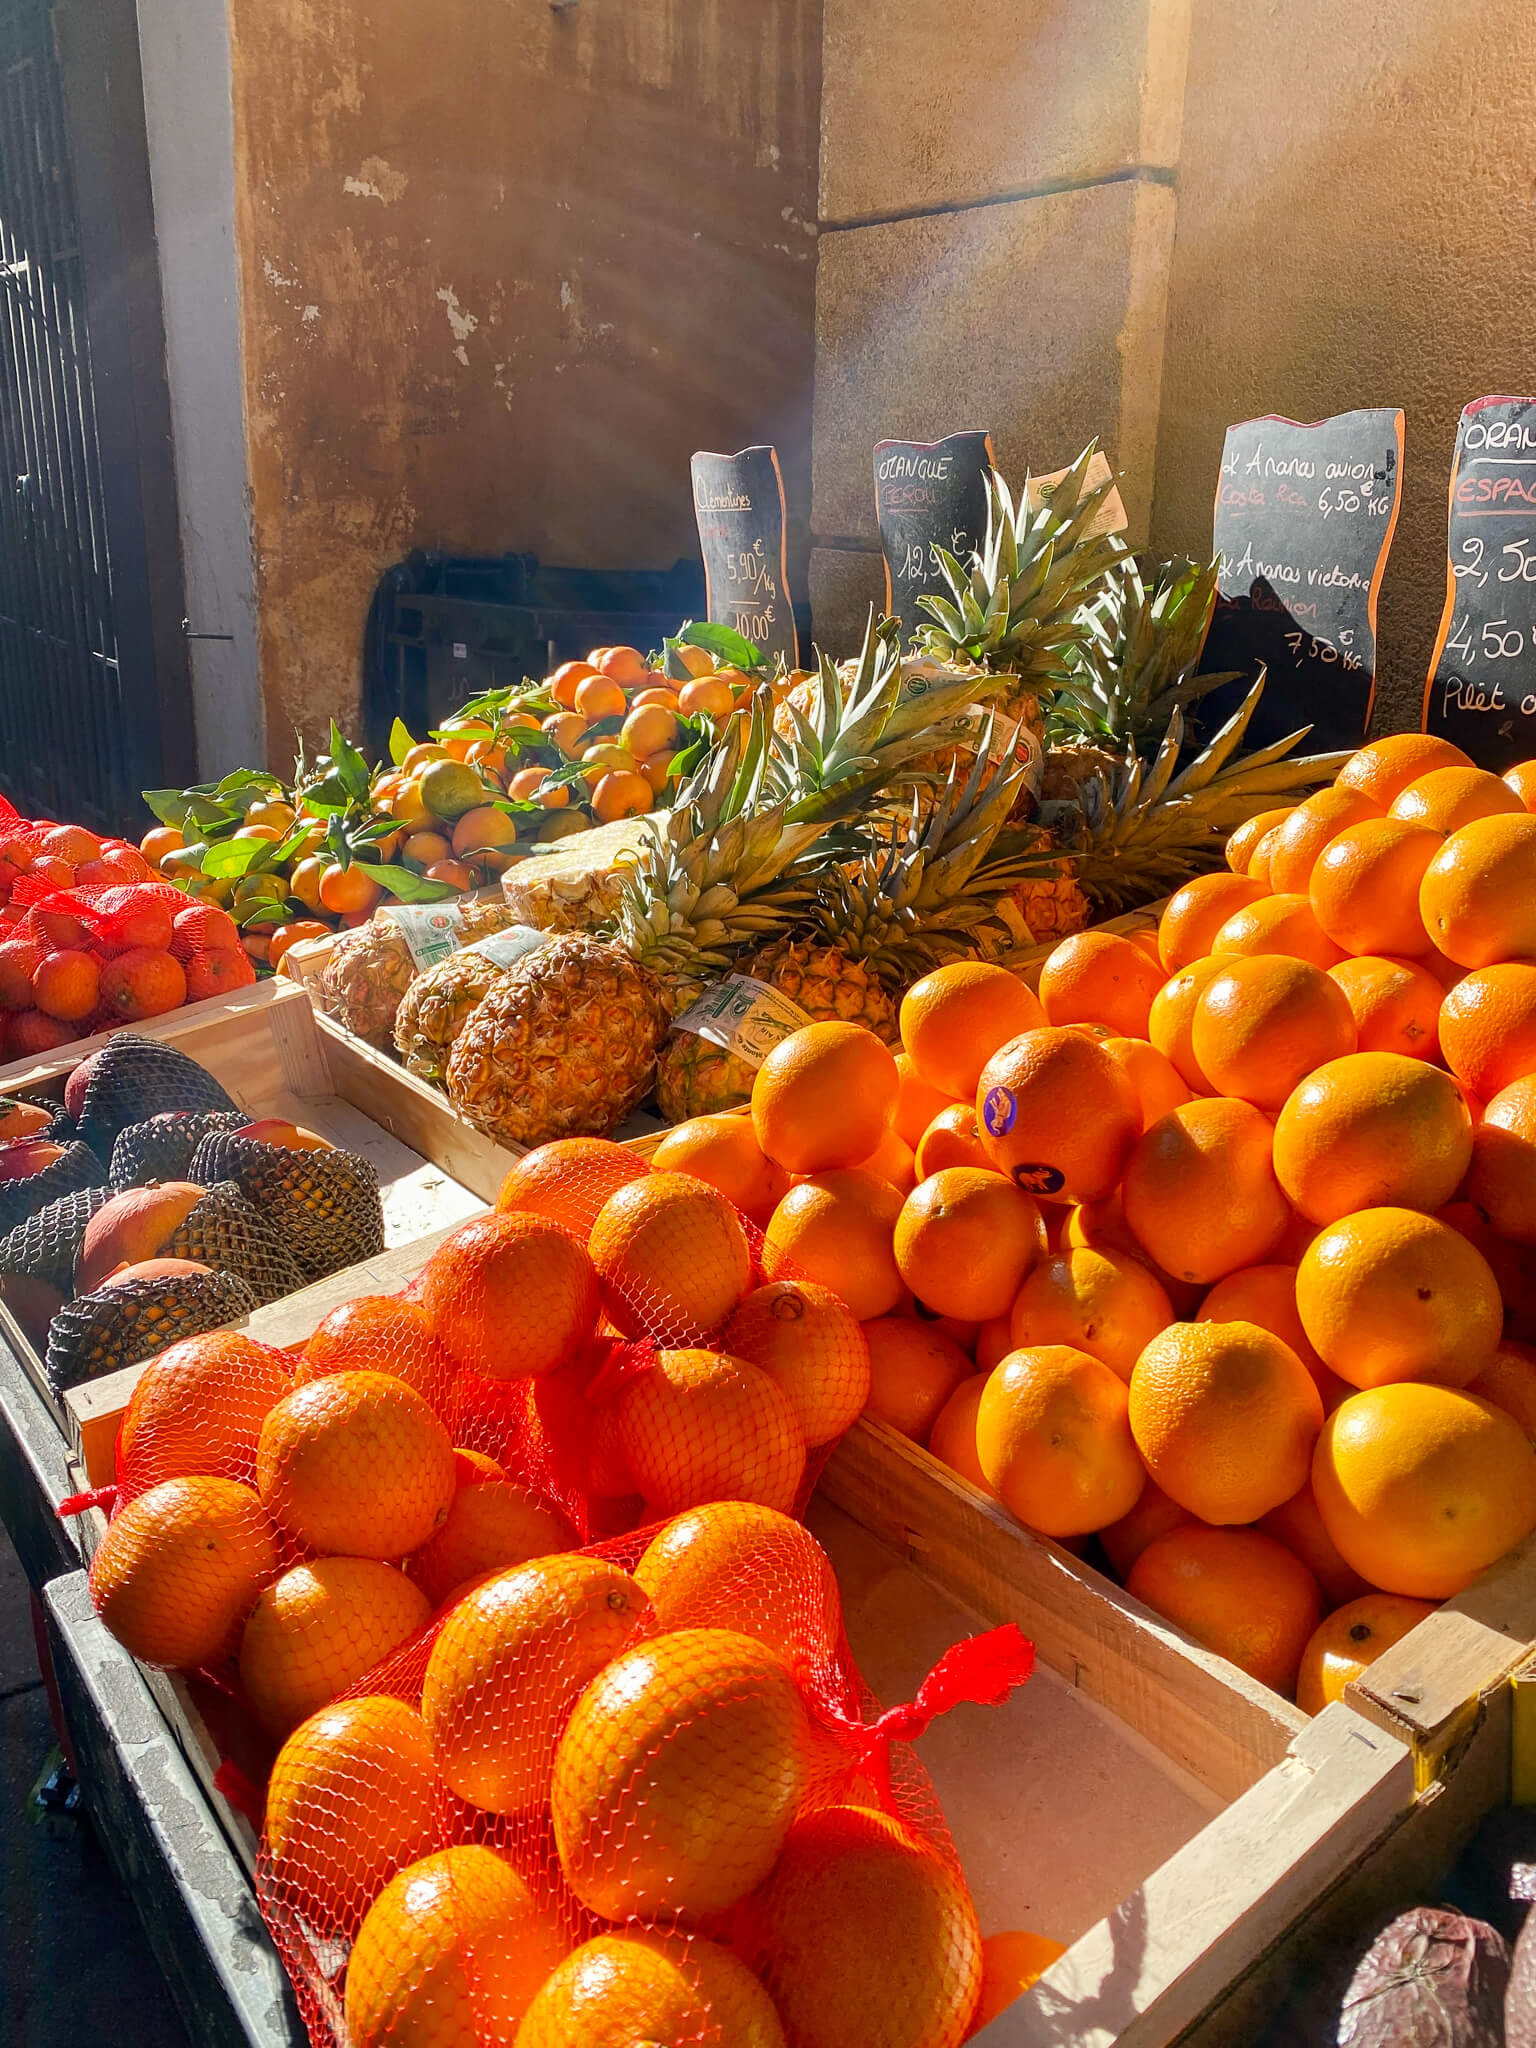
x=78, y=1167
x=122, y=1325
x=324, y=1205
x=228, y=1232
x=161, y=1148
x=46, y=1245
x=134, y=1078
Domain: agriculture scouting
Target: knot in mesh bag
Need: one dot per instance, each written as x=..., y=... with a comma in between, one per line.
x=161, y=1148
x=324, y=1204
x=134, y=1078
x=132, y=1319
x=230, y=1234
x=77, y=1167
x=46, y=1245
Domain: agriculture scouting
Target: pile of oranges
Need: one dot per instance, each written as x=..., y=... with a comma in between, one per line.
x=1220, y=1250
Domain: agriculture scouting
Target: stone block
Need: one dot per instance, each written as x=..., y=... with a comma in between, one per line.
x=844, y=584
x=974, y=99
x=1039, y=320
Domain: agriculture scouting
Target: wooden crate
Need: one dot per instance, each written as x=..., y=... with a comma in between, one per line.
x=264, y=1045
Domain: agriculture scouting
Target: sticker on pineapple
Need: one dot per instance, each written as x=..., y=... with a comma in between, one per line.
x=505, y=949
x=745, y=1016
x=998, y=1111
x=431, y=930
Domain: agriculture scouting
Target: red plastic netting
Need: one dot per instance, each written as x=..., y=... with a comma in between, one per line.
x=571, y=1737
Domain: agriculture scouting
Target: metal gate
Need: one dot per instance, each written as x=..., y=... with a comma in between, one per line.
x=91, y=658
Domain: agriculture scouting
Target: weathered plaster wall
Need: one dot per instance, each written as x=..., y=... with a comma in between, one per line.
x=1355, y=195
x=997, y=212
x=503, y=268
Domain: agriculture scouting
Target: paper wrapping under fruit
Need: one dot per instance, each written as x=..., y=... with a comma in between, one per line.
x=392, y=1505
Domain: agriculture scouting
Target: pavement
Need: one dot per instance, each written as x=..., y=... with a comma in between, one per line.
x=75, y=1969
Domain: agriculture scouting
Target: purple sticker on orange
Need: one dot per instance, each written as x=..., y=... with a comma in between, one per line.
x=998, y=1111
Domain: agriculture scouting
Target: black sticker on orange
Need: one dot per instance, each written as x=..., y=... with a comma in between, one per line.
x=1040, y=1179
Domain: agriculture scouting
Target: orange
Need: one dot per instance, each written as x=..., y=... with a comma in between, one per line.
x=824, y=1097
x=704, y=1426
x=811, y=1345
x=1053, y=1438
x=66, y=985
x=1301, y=837
x=735, y=1564
x=1242, y=842
x=1514, y=1265
x=1263, y=1024
x=1297, y=1524
x=318, y=1629
x=1225, y=1416
x=648, y=1986
x=511, y=1295
x=509, y=1663
x=1364, y=887
x=836, y=1229
x=180, y=1567
x=955, y=1019
x=1199, y=1191
x=1103, y=1302
x=1447, y=798
x=964, y=1241
x=1098, y=977
x=379, y=1333
x=918, y=1102
x=1349, y=1641
x=913, y=1370
x=355, y=1463
x=1372, y=1130
x=679, y=1774
x=569, y=1180
x=1386, y=766
x=1389, y=1294
x=1508, y=1380
x=453, y=1952
x=1172, y=1016
x=1423, y=1487
x=565, y=680
x=724, y=1151
x=349, y=1802
x=1153, y=1515
x=1258, y=861
x=1266, y=1295
x=199, y=1407
x=672, y=1258
x=892, y=1159
x=1010, y=1963
x=1277, y=924
x=1158, y=1083
x=142, y=983
x=1488, y=1026
x=865, y=1934
x=1236, y=1591
x=1194, y=914
x=345, y=889
x=952, y=1439
x=1396, y=1005
x=492, y=1523
x=952, y=1139
x=1502, y=1178
x=1478, y=895
x=994, y=1339
x=1058, y=1115
x=1521, y=779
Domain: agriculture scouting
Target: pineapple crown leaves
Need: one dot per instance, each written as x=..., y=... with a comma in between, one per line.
x=1136, y=666
x=1019, y=604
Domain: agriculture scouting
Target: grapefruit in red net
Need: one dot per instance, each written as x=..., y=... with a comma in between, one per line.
x=569, y=1180
x=510, y=1296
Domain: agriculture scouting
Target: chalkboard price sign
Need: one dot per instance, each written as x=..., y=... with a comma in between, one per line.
x=928, y=495
x=739, y=503
x=1304, y=520
x=1481, y=691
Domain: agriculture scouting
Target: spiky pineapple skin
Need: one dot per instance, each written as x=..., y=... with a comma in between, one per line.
x=564, y=1046
x=435, y=1009
x=695, y=1077
x=365, y=979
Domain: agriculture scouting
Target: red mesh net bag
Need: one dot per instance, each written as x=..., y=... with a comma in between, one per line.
x=123, y=950
x=496, y=1581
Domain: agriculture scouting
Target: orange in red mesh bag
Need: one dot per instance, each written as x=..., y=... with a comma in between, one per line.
x=510, y=1296
x=381, y=1333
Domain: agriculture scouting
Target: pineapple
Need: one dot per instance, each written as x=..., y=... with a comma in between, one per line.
x=563, y=1046
x=370, y=969
x=575, y=886
x=437, y=1006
